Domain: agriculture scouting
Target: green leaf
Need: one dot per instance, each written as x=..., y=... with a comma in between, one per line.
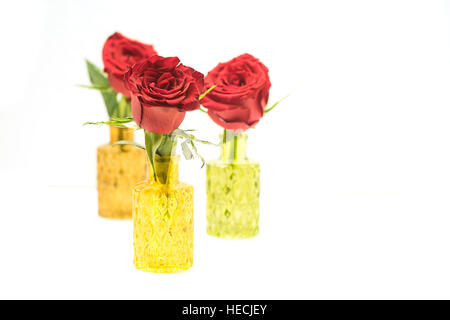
x=197, y=153
x=118, y=122
x=163, y=145
x=99, y=79
x=123, y=119
x=181, y=133
x=152, y=142
x=189, y=139
x=274, y=105
x=186, y=151
x=205, y=142
x=131, y=143
x=96, y=75
x=167, y=145
x=99, y=88
x=184, y=134
x=206, y=92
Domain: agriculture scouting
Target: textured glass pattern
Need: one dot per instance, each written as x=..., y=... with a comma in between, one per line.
x=163, y=218
x=232, y=199
x=119, y=169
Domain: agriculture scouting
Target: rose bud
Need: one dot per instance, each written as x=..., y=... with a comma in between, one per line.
x=119, y=54
x=241, y=93
x=162, y=90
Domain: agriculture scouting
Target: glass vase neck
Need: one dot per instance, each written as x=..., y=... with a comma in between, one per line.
x=233, y=146
x=166, y=168
x=117, y=134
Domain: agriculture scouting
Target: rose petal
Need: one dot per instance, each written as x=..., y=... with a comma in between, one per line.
x=117, y=82
x=235, y=126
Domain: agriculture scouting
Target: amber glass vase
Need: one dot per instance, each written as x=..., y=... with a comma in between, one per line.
x=163, y=220
x=119, y=168
x=232, y=190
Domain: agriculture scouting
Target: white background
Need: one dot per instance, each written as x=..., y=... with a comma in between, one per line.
x=355, y=164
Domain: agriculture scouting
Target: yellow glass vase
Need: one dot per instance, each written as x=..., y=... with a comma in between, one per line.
x=232, y=191
x=163, y=220
x=119, y=168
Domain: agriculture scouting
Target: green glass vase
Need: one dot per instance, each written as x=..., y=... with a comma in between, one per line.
x=232, y=188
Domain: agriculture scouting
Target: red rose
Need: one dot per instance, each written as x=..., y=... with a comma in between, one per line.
x=120, y=53
x=242, y=93
x=161, y=91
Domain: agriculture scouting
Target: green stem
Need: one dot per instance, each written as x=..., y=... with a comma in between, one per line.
x=234, y=146
x=160, y=145
x=124, y=108
x=167, y=146
x=206, y=92
x=152, y=142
